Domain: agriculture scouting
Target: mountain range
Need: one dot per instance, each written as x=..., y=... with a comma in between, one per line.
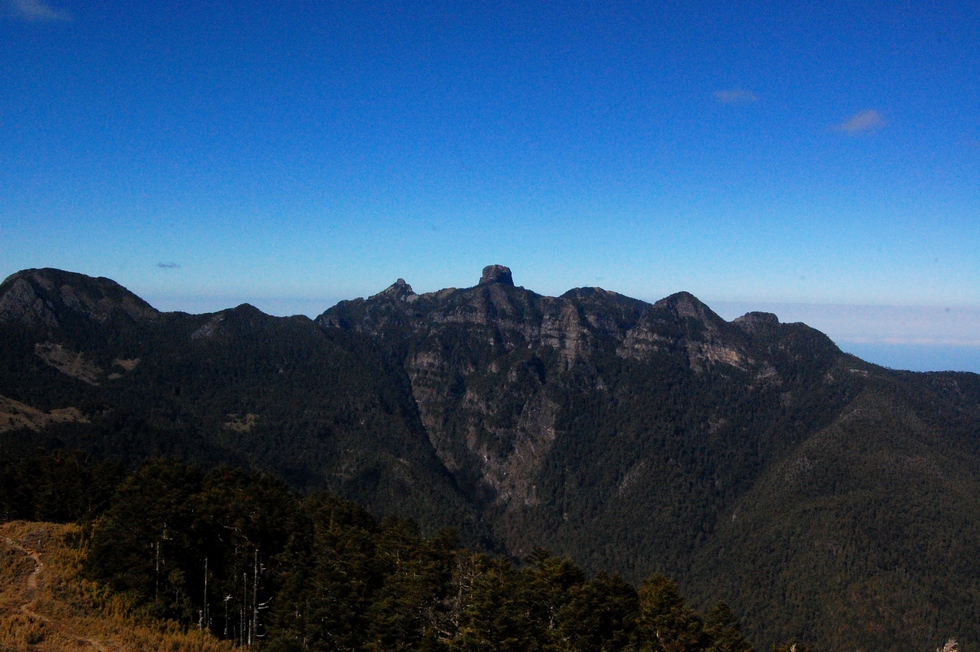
x=822, y=497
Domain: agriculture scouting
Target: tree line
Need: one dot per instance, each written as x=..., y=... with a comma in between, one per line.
x=243, y=556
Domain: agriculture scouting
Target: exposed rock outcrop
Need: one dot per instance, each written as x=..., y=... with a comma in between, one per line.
x=483, y=362
x=496, y=274
x=399, y=290
x=757, y=322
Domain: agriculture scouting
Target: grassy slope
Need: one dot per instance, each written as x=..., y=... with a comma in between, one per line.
x=46, y=605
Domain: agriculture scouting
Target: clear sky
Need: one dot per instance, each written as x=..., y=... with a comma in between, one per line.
x=818, y=159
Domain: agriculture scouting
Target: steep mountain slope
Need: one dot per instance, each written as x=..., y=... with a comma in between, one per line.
x=648, y=437
x=752, y=460
x=867, y=532
x=321, y=409
x=563, y=418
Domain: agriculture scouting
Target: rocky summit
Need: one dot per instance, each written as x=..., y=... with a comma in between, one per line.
x=496, y=274
x=751, y=459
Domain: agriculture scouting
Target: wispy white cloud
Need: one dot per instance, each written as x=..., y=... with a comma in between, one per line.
x=861, y=122
x=168, y=265
x=735, y=96
x=37, y=11
x=876, y=325
x=919, y=341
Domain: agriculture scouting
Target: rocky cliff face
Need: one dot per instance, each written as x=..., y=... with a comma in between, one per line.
x=495, y=371
x=492, y=365
x=479, y=360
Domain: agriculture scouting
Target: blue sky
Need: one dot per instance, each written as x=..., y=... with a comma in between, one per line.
x=821, y=161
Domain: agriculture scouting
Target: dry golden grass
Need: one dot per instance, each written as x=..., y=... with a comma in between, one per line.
x=46, y=605
x=15, y=415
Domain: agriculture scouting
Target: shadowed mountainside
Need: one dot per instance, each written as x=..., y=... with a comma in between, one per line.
x=752, y=460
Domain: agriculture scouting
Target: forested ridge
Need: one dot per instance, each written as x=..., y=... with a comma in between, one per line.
x=241, y=555
x=823, y=498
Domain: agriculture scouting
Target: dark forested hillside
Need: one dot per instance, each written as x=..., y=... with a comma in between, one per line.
x=240, y=557
x=822, y=497
x=322, y=409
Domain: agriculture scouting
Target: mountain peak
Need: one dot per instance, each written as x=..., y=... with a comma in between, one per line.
x=47, y=295
x=399, y=290
x=753, y=322
x=496, y=274
x=685, y=304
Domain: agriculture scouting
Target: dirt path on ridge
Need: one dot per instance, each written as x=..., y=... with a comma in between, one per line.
x=47, y=605
x=30, y=598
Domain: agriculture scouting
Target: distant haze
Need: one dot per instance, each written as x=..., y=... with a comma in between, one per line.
x=915, y=338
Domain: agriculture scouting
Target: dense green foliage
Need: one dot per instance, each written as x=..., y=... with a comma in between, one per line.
x=242, y=555
x=60, y=487
x=876, y=511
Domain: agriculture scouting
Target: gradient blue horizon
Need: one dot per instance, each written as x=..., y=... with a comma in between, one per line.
x=293, y=154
